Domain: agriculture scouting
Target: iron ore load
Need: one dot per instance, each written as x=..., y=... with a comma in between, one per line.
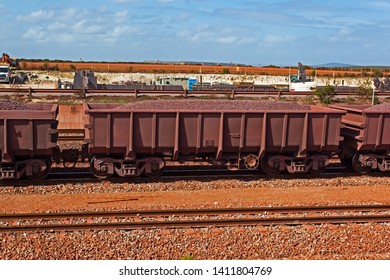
x=138, y=138
x=366, y=132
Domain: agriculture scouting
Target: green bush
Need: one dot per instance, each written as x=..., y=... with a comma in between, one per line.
x=364, y=89
x=325, y=94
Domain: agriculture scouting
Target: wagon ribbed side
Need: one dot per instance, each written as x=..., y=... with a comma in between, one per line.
x=27, y=141
x=298, y=140
x=366, y=144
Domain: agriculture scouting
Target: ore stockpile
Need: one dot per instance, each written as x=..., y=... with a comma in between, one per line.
x=213, y=105
x=8, y=104
x=384, y=107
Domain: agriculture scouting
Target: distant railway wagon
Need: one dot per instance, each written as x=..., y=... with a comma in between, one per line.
x=137, y=139
x=366, y=132
x=28, y=138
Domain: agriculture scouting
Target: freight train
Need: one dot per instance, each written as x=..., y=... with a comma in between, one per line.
x=138, y=138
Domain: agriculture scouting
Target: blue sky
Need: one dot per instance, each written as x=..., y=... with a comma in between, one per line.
x=248, y=31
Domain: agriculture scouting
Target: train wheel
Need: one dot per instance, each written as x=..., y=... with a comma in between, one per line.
x=100, y=169
x=251, y=162
x=321, y=167
x=360, y=167
x=154, y=168
x=270, y=170
x=38, y=169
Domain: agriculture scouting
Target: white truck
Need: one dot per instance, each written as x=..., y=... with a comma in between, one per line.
x=5, y=73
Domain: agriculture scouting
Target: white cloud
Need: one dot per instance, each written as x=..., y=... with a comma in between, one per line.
x=370, y=45
x=227, y=40
x=123, y=30
x=36, y=16
x=85, y=27
x=274, y=39
x=247, y=40
x=57, y=26
x=345, y=31
x=343, y=35
x=72, y=14
x=35, y=33
x=121, y=14
x=40, y=35
x=381, y=4
x=66, y=38
x=78, y=25
x=120, y=30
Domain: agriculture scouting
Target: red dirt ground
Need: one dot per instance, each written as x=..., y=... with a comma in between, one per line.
x=207, y=198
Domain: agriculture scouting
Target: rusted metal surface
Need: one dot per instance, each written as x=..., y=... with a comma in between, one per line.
x=366, y=137
x=71, y=134
x=298, y=140
x=70, y=117
x=27, y=140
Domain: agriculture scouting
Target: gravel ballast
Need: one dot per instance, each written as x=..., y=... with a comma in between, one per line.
x=340, y=242
x=344, y=242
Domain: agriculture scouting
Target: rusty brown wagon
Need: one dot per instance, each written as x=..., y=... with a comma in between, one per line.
x=366, y=132
x=131, y=142
x=28, y=139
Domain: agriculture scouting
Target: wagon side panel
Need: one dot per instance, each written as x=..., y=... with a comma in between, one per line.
x=253, y=131
x=28, y=134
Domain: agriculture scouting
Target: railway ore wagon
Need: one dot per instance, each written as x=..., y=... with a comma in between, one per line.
x=139, y=137
x=366, y=132
x=28, y=138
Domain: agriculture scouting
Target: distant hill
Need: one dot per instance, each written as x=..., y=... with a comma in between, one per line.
x=333, y=65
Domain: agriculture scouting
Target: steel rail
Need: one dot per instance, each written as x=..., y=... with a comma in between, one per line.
x=136, y=92
x=290, y=221
x=189, y=212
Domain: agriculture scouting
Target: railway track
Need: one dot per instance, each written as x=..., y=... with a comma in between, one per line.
x=83, y=175
x=141, y=92
x=194, y=218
